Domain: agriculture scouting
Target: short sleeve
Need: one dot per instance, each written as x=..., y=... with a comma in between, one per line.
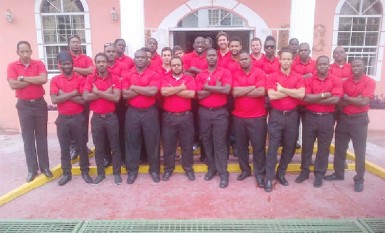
x=199, y=82
x=82, y=82
x=308, y=85
x=369, y=88
x=337, y=87
x=41, y=68
x=190, y=84
x=88, y=83
x=226, y=77
x=116, y=82
x=11, y=72
x=260, y=79
x=271, y=82
x=155, y=80
x=54, y=88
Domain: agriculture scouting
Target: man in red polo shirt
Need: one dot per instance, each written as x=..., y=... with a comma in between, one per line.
x=270, y=63
x=340, y=67
x=285, y=88
x=195, y=61
x=213, y=85
x=177, y=51
x=353, y=123
x=231, y=62
x=223, y=44
x=165, y=68
x=156, y=59
x=249, y=117
x=27, y=76
x=256, y=52
x=323, y=91
x=140, y=88
x=294, y=46
x=304, y=65
x=66, y=91
x=177, y=90
x=120, y=46
x=102, y=91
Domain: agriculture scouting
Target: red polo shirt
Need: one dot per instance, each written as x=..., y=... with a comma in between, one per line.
x=35, y=68
x=246, y=106
x=220, y=57
x=293, y=80
x=162, y=71
x=214, y=99
x=82, y=61
x=118, y=69
x=231, y=64
x=314, y=85
x=270, y=66
x=194, y=60
x=304, y=68
x=175, y=103
x=68, y=84
x=364, y=87
x=257, y=62
x=145, y=79
x=102, y=106
x=344, y=71
x=126, y=60
x=156, y=61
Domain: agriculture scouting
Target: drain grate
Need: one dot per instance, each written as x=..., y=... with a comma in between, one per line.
x=39, y=226
x=376, y=225
x=249, y=226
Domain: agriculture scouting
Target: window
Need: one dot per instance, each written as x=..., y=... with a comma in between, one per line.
x=59, y=20
x=359, y=30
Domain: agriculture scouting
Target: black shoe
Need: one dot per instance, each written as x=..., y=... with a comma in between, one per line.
x=73, y=153
x=117, y=179
x=64, y=179
x=155, y=177
x=243, y=175
x=99, y=179
x=190, y=175
x=224, y=181
x=268, y=186
x=358, y=186
x=87, y=178
x=210, y=175
x=131, y=177
x=333, y=176
x=297, y=146
x=260, y=181
x=302, y=177
x=281, y=179
x=47, y=173
x=31, y=176
x=106, y=162
x=166, y=176
x=317, y=182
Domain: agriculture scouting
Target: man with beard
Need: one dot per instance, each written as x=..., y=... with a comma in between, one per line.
x=340, y=68
x=120, y=46
x=270, y=63
x=223, y=46
x=156, y=60
x=195, y=62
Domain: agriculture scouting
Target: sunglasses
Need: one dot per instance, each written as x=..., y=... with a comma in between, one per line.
x=269, y=46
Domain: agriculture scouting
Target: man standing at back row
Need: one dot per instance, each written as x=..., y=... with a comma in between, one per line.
x=27, y=76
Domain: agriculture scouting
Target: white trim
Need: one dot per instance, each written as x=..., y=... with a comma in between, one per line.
x=302, y=15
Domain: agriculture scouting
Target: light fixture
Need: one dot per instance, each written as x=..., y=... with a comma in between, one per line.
x=9, y=16
x=114, y=14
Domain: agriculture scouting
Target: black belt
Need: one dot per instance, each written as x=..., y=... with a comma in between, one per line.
x=283, y=112
x=104, y=115
x=178, y=113
x=356, y=115
x=142, y=109
x=32, y=100
x=320, y=114
x=213, y=108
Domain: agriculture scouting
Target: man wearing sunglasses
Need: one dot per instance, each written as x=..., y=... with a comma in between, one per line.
x=270, y=63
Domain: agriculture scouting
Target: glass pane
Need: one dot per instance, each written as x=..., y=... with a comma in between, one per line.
x=373, y=24
x=51, y=54
x=78, y=21
x=73, y=6
x=49, y=29
x=343, y=38
x=351, y=7
x=371, y=39
x=357, y=38
x=371, y=7
x=190, y=21
x=211, y=17
x=345, y=24
x=64, y=28
x=50, y=6
x=359, y=24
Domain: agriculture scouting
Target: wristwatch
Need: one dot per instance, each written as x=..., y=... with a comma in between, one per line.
x=21, y=78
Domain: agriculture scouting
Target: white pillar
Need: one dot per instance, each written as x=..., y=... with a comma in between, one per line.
x=132, y=24
x=302, y=20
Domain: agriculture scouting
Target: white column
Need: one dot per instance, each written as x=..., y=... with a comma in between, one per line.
x=132, y=24
x=302, y=20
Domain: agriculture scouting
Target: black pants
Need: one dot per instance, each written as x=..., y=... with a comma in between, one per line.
x=142, y=122
x=33, y=117
x=178, y=126
x=102, y=126
x=213, y=126
x=355, y=128
x=281, y=124
x=72, y=127
x=253, y=130
x=320, y=127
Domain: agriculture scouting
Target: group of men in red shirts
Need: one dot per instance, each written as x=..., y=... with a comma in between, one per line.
x=136, y=102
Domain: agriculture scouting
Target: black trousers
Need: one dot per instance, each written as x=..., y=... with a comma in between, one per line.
x=281, y=125
x=102, y=126
x=253, y=130
x=213, y=124
x=178, y=126
x=142, y=122
x=33, y=117
x=355, y=128
x=320, y=127
x=72, y=127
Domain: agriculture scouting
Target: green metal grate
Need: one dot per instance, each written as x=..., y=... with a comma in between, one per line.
x=376, y=225
x=39, y=226
x=247, y=226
